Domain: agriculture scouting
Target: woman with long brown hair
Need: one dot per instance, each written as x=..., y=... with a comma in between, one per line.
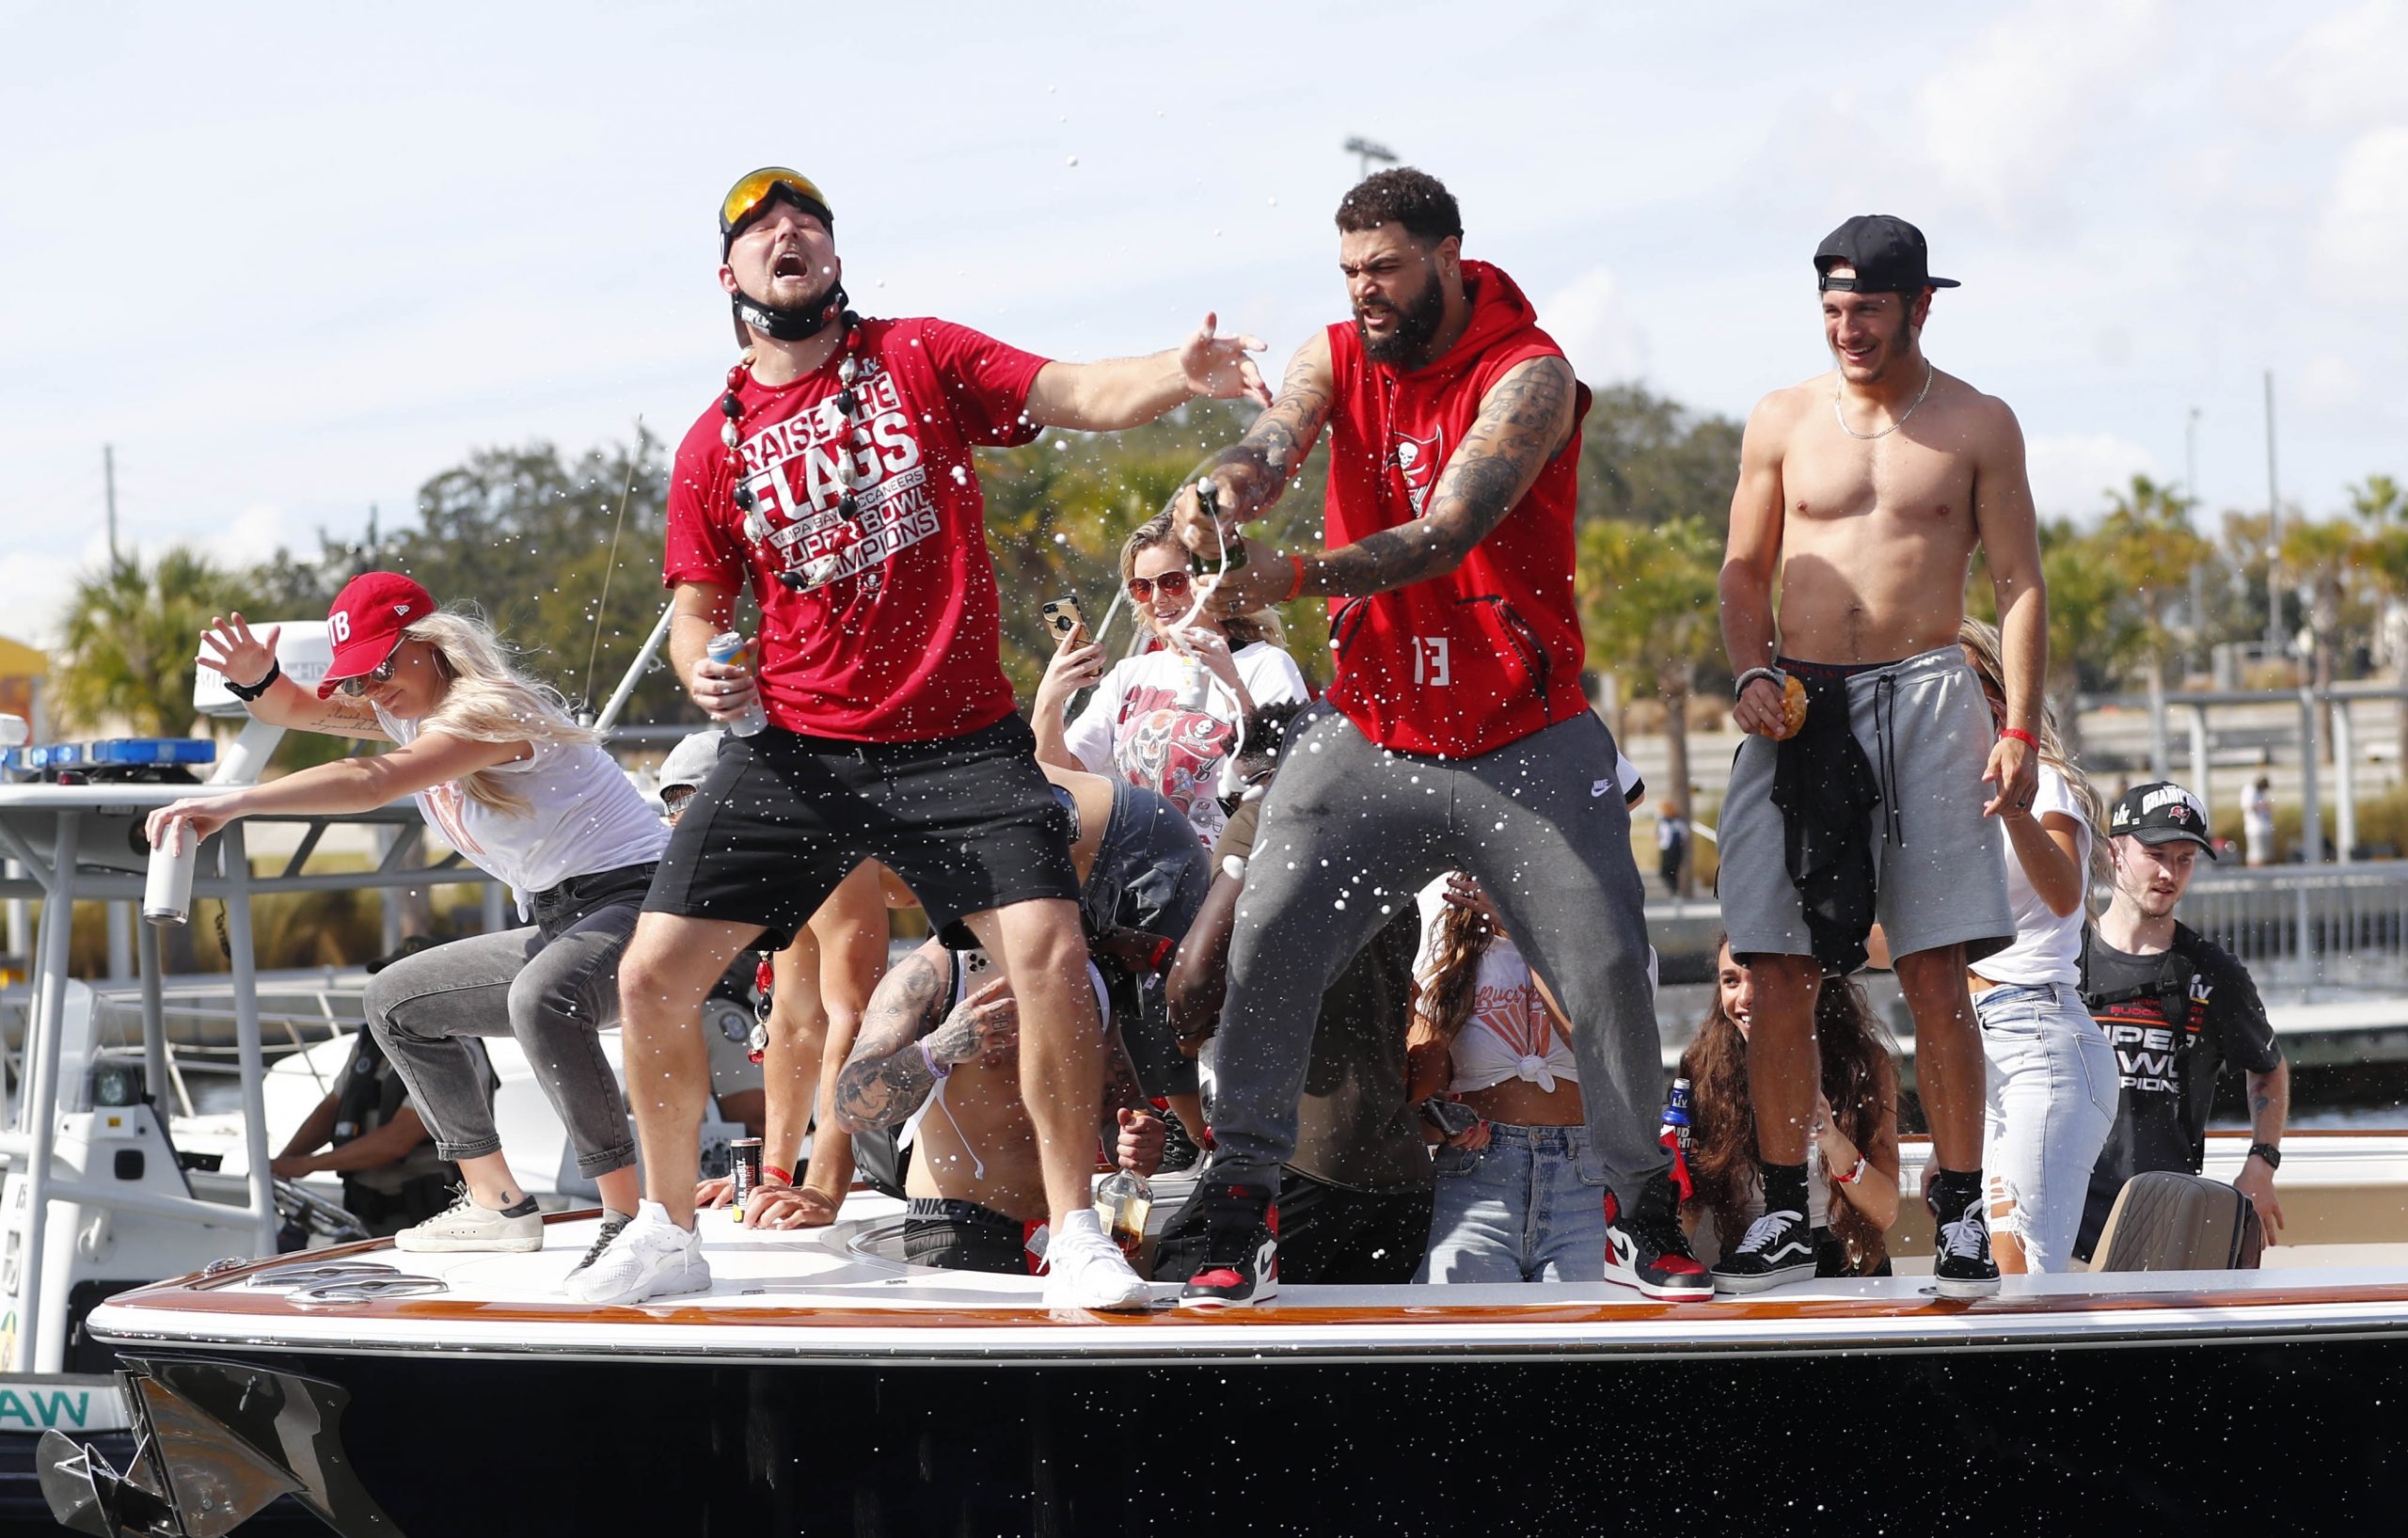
x=1852, y=1177
x=2050, y=1077
x=1520, y=1194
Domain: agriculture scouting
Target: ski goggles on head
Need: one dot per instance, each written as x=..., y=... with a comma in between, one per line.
x=753, y=190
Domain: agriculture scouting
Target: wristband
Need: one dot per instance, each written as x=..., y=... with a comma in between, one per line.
x=1296, y=588
x=1852, y=1176
x=928, y=1057
x=785, y=1177
x=247, y=692
x=2020, y=736
x=1778, y=679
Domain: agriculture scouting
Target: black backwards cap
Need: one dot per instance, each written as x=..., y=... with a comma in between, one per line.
x=1886, y=252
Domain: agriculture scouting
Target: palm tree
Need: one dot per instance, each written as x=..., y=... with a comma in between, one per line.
x=132, y=632
x=1649, y=605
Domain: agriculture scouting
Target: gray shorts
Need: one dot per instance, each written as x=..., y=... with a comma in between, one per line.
x=1941, y=876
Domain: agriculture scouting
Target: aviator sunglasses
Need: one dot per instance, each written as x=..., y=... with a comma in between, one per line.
x=382, y=673
x=1174, y=584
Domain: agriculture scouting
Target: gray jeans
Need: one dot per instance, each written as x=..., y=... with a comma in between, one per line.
x=554, y=985
x=1351, y=831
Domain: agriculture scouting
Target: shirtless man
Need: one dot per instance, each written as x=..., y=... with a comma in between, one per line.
x=942, y=1032
x=1864, y=492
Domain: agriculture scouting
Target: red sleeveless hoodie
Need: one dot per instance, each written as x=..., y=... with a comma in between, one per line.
x=1464, y=663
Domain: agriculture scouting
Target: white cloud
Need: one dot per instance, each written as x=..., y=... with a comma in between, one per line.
x=2329, y=383
x=255, y=534
x=35, y=586
x=2072, y=473
x=2342, y=73
x=1591, y=318
x=2004, y=116
x=2362, y=242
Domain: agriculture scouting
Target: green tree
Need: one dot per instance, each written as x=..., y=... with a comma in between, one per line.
x=1649, y=608
x=132, y=633
x=1647, y=459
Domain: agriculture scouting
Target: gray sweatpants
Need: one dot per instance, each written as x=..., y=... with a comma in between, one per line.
x=553, y=985
x=1352, y=830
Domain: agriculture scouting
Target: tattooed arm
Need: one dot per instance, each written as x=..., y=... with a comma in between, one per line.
x=888, y=1075
x=1252, y=472
x=1525, y=421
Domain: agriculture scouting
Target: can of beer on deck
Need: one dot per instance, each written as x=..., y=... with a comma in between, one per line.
x=727, y=647
x=743, y=1172
x=167, y=895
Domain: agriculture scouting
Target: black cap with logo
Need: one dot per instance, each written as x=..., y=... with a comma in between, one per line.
x=1887, y=254
x=2160, y=813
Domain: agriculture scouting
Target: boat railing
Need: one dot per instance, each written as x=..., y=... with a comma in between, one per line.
x=2306, y=917
x=76, y=842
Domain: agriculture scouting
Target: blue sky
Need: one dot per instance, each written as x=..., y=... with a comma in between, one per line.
x=293, y=260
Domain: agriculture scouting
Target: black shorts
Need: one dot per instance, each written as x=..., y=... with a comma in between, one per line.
x=964, y=1236
x=968, y=822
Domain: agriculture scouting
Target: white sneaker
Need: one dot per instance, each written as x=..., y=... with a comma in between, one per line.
x=652, y=1257
x=466, y=1226
x=1085, y=1270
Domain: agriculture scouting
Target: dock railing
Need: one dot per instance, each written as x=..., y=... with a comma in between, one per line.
x=2309, y=918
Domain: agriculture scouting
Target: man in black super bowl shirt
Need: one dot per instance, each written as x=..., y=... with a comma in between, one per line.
x=2175, y=1006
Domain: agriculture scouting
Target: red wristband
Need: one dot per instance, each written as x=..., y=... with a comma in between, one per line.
x=1297, y=586
x=784, y=1177
x=2020, y=736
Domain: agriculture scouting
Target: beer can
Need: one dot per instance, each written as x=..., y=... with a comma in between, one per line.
x=743, y=1171
x=167, y=892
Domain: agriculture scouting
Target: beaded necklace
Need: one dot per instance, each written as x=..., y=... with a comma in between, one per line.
x=809, y=574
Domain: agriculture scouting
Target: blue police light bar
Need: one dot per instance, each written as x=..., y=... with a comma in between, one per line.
x=153, y=749
x=117, y=753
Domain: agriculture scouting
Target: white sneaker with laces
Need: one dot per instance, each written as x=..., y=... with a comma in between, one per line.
x=466, y=1226
x=652, y=1257
x=1085, y=1270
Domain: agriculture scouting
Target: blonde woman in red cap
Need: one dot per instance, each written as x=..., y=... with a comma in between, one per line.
x=503, y=775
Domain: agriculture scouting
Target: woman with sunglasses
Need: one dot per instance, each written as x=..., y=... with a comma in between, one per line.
x=504, y=776
x=1165, y=718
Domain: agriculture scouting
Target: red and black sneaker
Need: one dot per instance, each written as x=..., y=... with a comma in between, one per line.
x=1242, y=1249
x=1649, y=1250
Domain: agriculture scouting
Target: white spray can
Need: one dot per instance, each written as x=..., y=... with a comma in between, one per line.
x=731, y=649
x=167, y=896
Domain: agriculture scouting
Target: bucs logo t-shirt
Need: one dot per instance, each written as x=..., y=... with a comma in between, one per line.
x=1150, y=723
x=893, y=634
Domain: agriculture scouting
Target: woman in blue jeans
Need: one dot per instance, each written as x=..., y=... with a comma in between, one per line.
x=2050, y=1079
x=503, y=775
x=1520, y=1195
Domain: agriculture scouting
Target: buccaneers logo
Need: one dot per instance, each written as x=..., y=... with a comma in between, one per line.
x=1417, y=461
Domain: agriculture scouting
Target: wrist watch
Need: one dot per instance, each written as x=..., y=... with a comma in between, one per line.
x=2268, y=1151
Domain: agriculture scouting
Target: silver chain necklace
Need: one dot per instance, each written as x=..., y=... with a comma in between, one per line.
x=1929, y=373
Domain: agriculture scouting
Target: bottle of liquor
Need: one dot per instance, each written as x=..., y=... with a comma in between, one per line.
x=1122, y=1202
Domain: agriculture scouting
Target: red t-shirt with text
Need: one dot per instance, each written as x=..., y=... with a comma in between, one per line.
x=900, y=638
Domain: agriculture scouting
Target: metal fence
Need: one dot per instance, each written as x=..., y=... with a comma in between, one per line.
x=2311, y=917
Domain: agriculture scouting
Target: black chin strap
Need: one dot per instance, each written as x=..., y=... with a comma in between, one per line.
x=799, y=323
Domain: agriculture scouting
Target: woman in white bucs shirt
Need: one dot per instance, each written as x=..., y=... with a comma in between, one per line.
x=504, y=774
x=1165, y=719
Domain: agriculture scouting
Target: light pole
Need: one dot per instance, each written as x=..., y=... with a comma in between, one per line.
x=2274, y=536
x=1367, y=151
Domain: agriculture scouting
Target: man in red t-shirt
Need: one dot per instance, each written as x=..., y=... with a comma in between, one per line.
x=835, y=478
x=1456, y=735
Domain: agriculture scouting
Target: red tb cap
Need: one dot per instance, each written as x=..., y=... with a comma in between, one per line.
x=366, y=621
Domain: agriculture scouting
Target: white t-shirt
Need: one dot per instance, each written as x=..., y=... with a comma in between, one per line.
x=2047, y=948
x=1142, y=724
x=585, y=817
x=2258, y=813
x=1509, y=1034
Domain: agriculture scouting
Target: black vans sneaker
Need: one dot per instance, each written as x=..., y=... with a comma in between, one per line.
x=1962, y=1263
x=1242, y=1249
x=1650, y=1251
x=1778, y=1248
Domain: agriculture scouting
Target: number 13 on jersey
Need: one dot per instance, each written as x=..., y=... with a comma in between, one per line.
x=1430, y=661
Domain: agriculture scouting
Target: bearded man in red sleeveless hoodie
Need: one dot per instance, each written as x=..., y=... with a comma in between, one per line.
x=1456, y=735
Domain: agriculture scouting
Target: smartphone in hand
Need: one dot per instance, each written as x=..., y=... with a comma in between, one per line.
x=1062, y=616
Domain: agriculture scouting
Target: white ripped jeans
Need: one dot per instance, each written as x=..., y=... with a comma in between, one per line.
x=2050, y=1085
